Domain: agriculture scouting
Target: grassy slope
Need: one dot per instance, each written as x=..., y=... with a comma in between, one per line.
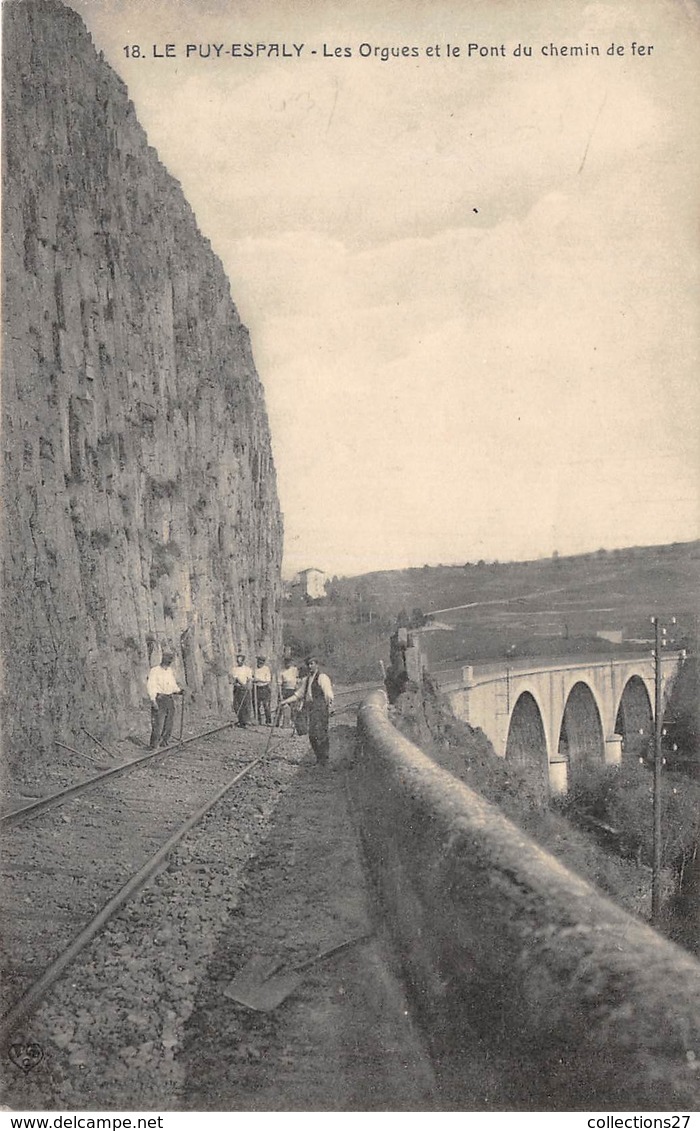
x=539, y=607
x=468, y=755
x=545, y=606
x=527, y=605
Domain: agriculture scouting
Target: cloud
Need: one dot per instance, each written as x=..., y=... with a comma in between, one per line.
x=470, y=285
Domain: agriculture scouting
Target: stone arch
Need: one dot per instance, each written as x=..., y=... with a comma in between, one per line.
x=526, y=745
x=635, y=718
x=581, y=738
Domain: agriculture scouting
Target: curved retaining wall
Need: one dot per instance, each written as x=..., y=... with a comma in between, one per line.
x=584, y=1006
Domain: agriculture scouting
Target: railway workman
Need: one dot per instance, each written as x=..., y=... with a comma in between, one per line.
x=162, y=687
x=316, y=698
x=288, y=681
x=242, y=677
x=262, y=689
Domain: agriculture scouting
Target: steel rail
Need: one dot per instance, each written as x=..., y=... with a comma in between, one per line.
x=31, y=998
x=27, y=812
x=15, y=816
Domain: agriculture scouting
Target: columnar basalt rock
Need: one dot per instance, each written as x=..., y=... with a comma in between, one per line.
x=139, y=487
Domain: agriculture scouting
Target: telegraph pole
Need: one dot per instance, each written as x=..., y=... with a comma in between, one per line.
x=659, y=643
x=656, y=861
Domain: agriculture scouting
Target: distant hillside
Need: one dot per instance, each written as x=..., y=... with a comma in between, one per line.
x=654, y=574
x=555, y=605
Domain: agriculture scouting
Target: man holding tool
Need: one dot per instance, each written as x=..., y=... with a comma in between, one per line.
x=162, y=687
x=288, y=681
x=242, y=677
x=262, y=685
x=316, y=698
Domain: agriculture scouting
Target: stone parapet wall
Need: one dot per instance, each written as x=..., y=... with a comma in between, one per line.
x=584, y=1007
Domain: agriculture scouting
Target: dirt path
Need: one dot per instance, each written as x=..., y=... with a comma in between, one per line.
x=344, y=1040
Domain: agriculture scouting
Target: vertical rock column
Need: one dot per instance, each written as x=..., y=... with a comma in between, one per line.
x=139, y=489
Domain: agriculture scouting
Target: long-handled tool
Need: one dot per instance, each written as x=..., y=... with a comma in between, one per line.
x=269, y=737
x=260, y=986
x=280, y=701
x=74, y=751
x=241, y=705
x=182, y=718
x=96, y=740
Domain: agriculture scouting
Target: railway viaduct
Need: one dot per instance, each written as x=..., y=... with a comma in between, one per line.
x=556, y=715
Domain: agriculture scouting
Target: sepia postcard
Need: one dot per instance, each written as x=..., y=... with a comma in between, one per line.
x=350, y=415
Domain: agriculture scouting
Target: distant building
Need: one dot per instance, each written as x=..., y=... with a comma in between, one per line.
x=312, y=583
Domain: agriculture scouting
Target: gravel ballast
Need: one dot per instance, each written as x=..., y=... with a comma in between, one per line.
x=140, y=1020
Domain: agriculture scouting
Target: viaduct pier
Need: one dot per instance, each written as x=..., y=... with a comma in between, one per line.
x=559, y=714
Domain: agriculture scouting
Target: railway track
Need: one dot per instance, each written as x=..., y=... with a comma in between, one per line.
x=100, y=841
x=349, y=700
x=34, y=808
x=123, y=1023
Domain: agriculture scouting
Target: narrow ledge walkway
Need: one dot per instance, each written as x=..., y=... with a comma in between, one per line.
x=344, y=1040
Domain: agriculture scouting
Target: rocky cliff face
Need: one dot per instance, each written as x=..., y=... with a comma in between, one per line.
x=139, y=487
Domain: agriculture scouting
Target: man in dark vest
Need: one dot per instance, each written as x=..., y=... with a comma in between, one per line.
x=316, y=698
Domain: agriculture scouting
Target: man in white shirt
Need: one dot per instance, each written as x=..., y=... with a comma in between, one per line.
x=162, y=686
x=316, y=698
x=242, y=677
x=262, y=684
x=288, y=681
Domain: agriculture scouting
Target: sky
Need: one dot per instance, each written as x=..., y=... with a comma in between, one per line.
x=471, y=282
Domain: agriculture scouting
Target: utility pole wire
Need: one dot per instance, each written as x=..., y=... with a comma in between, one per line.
x=656, y=860
x=659, y=643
